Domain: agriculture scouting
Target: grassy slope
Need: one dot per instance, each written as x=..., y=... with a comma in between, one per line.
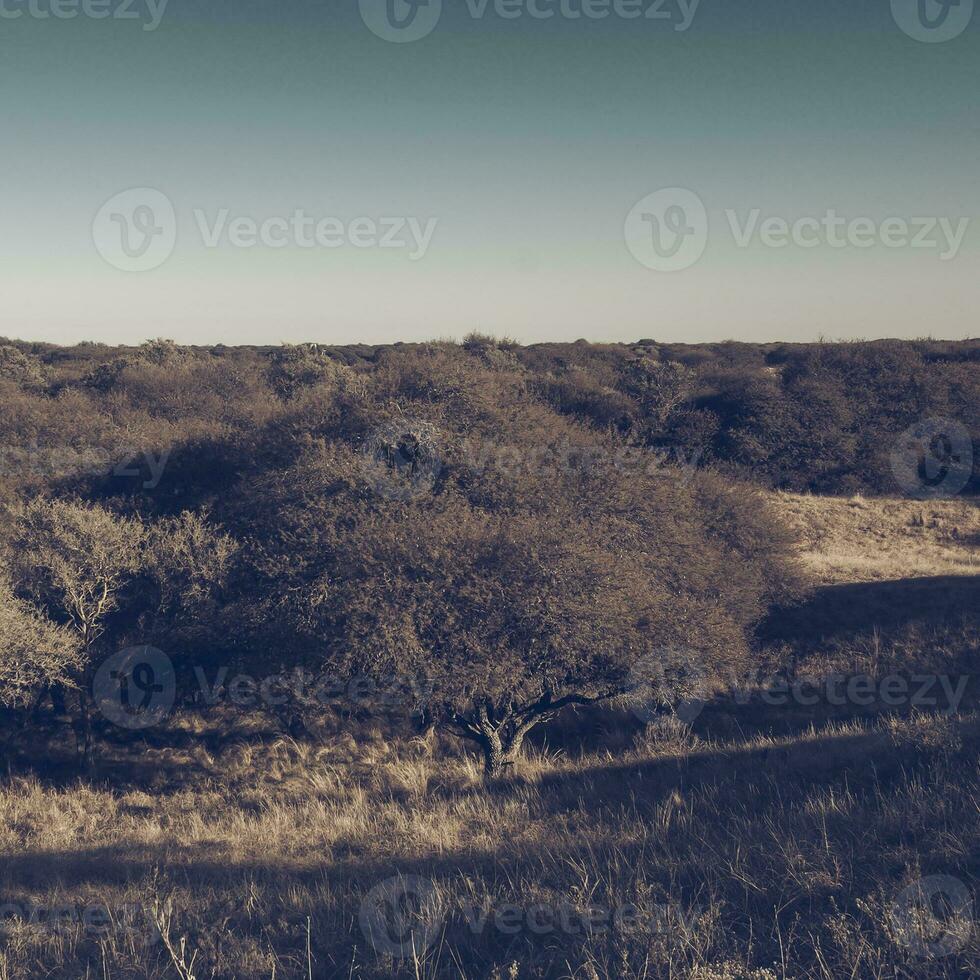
x=767, y=843
x=862, y=539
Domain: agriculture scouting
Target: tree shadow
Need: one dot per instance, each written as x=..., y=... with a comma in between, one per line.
x=798, y=767
x=781, y=776
x=167, y=480
x=834, y=611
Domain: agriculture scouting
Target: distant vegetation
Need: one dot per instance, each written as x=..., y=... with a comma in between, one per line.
x=805, y=417
x=257, y=606
x=520, y=525
x=436, y=512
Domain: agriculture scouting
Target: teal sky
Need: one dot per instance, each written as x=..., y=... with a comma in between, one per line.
x=529, y=141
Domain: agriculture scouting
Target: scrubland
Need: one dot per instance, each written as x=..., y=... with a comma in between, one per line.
x=772, y=837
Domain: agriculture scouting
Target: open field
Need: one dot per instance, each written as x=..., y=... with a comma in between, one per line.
x=769, y=840
x=861, y=539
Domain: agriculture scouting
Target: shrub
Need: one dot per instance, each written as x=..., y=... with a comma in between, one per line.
x=20, y=368
x=35, y=653
x=296, y=368
x=74, y=560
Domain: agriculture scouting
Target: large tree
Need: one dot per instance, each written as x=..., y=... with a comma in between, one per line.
x=563, y=588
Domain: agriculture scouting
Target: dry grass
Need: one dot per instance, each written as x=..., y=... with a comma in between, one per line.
x=863, y=539
x=746, y=849
x=782, y=854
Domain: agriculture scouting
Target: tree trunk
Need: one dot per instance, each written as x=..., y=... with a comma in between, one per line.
x=493, y=757
x=83, y=732
x=499, y=751
x=58, y=704
x=500, y=730
x=82, y=706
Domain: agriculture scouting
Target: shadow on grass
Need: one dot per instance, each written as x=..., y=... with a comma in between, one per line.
x=784, y=771
x=835, y=611
x=214, y=877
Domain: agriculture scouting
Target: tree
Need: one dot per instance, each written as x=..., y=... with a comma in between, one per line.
x=514, y=613
x=190, y=610
x=161, y=351
x=189, y=560
x=661, y=388
x=74, y=560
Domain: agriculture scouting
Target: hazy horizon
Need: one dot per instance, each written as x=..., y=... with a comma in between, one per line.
x=518, y=146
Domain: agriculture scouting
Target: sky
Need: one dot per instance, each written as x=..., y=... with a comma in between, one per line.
x=245, y=172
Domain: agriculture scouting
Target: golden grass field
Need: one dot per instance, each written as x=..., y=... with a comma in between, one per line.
x=860, y=539
x=767, y=841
